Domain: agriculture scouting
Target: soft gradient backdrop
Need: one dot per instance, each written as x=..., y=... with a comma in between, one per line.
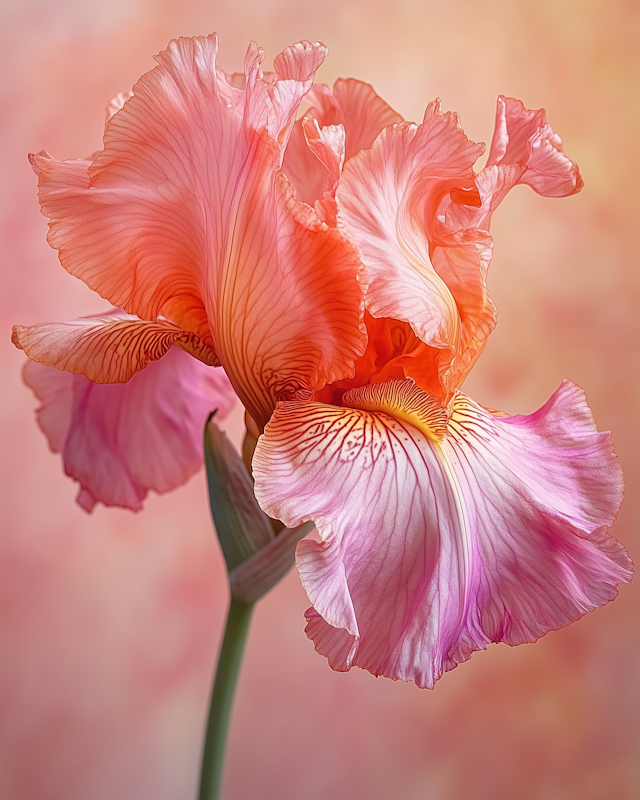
x=109, y=624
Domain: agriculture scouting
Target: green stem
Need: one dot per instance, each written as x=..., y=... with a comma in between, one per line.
x=235, y=635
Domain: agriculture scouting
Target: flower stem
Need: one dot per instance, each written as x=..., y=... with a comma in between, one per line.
x=235, y=635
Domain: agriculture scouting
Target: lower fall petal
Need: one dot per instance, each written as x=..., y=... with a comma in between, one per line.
x=120, y=440
x=433, y=547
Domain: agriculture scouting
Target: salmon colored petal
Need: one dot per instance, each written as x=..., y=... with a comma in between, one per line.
x=388, y=201
x=298, y=64
x=352, y=104
x=432, y=240
x=393, y=352
x=185, y=214
x=116, y=103
x=294, y=70
x=523, y=136
x=461, y=253
x=294, y=325
x=307, y=174
x=461, y=245
x=108, y=348
x=355, y=105
x=327, y=144
x=524, y=150
x=493, y=184
x=438, y=538
x=118, y=441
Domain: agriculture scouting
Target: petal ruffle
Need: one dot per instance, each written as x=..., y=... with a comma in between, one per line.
x=116, y=103
x=522, y=136
x=421, y=221
x=525, y=149
x=461, y=254
x=109, y=348
x=118, y=441
x=328, y=146
x=185, y=214
x=355, y=105
x=432, y=548
x=388, y=199
x=350, y=103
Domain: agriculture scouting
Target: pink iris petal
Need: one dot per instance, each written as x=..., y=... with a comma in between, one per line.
x=524, y=136
x=118, y=441
x=424, y=238
x=461, y=254
x=350, y=103
x=116, y=103
x=328, y=146
x=185, y=214
x=388, y=200
x=432, y=547
x=109, y=348
x=525, y=149
x=307, y=174
x=355, y=105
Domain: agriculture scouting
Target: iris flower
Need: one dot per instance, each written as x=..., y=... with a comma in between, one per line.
x=335, y=265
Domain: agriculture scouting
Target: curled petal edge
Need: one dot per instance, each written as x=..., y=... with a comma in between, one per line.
x=110, y=348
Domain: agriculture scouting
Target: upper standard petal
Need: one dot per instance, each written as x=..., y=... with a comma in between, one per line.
x=350, y=103
x=421, y=217
x=434, y=545
x=185, y=214
x=461, y=252
x=524, y=136
x=388, y=200
x=356, y=105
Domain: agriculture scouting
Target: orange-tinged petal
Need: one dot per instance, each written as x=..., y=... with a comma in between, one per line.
x=294, y=327
x=355, y=105
x=327, y=144
x=307, y=174
x=388, y=199
x=461, y=252
x=421, y=221
x=523, y=136
x=352, y=104
x=525, y=149
x=106, y=349
x=137, y=248
x=186, y=214
x=393, y=351
x=116, y=103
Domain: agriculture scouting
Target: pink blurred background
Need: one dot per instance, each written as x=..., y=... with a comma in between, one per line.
x=109, y=623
